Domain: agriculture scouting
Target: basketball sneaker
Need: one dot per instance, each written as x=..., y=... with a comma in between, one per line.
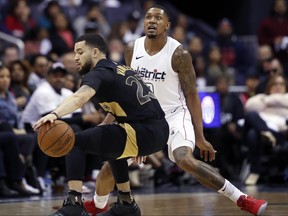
x=122, y=209
x=252, y=205
x=71, y=208
x=92, y=209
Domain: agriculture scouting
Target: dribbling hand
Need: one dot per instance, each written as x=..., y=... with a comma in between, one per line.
x=51, y=117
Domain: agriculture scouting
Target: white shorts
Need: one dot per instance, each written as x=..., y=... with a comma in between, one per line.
x=181, y=131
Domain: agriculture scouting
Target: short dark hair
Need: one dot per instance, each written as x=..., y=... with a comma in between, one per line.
x=166, y=12
x=94, y=40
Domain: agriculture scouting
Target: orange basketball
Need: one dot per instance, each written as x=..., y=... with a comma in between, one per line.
x=56, y=139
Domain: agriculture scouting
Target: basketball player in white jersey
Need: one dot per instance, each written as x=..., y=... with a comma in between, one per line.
x=167, y=69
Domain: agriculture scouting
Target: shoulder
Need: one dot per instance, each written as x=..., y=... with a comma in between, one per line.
x=181, y=56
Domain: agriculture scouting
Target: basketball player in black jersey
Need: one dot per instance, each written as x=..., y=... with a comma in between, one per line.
x=140, y=128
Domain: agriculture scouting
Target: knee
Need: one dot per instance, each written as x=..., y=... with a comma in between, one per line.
x=184, y=158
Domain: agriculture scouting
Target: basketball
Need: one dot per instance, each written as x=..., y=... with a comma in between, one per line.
x=56, y=139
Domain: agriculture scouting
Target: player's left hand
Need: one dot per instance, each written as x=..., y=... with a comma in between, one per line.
x=206, y=150
x=47, y=118
x=139, y=159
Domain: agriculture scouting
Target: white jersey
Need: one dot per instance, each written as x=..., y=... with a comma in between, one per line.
x=43, y=100
x=157, y=72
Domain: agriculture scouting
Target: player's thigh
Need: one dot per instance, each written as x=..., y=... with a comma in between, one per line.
x=108, y=141
x=181, y=134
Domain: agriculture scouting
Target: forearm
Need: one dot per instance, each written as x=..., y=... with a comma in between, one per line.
x=194, y=106
x=69, y=105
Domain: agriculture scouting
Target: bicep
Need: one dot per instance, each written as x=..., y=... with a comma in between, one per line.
x=182, y=64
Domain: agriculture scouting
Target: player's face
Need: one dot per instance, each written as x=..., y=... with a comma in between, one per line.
x=83, y=57
x=155, y=23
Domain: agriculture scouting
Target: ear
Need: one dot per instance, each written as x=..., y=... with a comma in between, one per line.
x=95, y=51
x=168, y=26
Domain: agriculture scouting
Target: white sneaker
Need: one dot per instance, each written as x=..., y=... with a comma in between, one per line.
x=29, y=187
x=42, y=183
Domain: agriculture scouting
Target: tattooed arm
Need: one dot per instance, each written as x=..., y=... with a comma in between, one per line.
x=182, y=64
x=70, y=104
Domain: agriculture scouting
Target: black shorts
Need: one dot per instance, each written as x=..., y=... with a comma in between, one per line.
x=125, y=140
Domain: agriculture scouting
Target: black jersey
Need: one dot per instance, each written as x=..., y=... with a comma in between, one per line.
x=121, y=92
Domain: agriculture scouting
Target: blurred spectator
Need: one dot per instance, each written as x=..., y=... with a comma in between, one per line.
x=9, y=123
x=264, y=56
x=230, y=133
x=73, y=8
x=62, y=35
x=93, y=21
x=195, y=48
x=18, y=19
x=40, y=66
x=234, y=54
x=266, y=116
x=274, y=32
x=215, y=68
x=116, y=50
x=71, y=82
x=272, y=67
x=133, y=31
x=10, y=53
x=200, y=70
x=51, y=10
x=52, y=88
x=19, y=82
x=227, y=137
x=67, y=59
x=10, y=164
x=251, y=83
x=37, y=41
x=179, y=34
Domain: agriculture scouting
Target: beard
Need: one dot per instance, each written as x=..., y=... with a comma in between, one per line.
x=86, y=68
x=151, y=36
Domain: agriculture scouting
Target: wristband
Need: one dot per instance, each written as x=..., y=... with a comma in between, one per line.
x=55, y=114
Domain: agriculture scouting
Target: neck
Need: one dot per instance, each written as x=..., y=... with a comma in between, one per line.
x=98, y=59
x=154, y=45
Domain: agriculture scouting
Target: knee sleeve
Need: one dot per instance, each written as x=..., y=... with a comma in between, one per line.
x=120, y=170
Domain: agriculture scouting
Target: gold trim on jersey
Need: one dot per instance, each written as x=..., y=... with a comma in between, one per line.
x=131, y=148
x=121, y=69
x=114, y=108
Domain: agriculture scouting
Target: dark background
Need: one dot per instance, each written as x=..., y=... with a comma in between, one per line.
x=244, y=14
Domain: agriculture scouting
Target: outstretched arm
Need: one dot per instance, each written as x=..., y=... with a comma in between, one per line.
x=182, y=64
x=70, y=104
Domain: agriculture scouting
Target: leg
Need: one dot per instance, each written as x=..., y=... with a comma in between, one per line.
x=105, y=181
x=103, y=186
x=126, y=204
x=211, y=178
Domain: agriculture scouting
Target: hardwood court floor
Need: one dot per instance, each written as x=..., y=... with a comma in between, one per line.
x=197, y=202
